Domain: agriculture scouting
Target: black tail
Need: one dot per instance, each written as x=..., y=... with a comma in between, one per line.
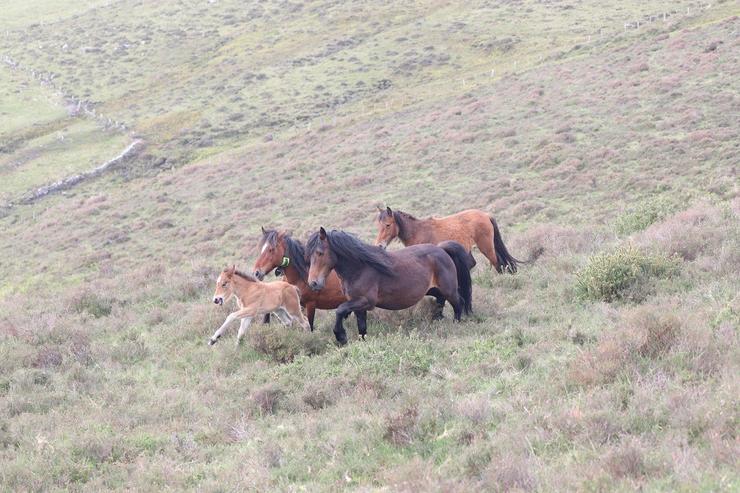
x=464, y=261
x=505, y=261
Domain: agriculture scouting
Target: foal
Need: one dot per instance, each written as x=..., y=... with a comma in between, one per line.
x=256, y=299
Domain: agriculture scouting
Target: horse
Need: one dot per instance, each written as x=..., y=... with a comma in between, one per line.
x=373, y=277
x=470, y=227
x=256, y=298
x=279, y=250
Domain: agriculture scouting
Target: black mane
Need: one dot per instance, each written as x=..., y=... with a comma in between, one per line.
x=351, y=249
x=294, y=250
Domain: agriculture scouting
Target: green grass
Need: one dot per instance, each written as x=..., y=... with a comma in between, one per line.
x=106, y=380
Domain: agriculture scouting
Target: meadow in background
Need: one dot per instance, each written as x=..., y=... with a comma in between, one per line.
x=605, y=139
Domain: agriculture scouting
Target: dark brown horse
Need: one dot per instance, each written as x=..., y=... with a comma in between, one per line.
x=471, y=227
x=373, y=277
x=279, y=250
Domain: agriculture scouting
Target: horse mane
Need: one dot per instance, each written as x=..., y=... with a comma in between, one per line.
x=297, y=255
x=244, y=275
x=269, y=236
x=349, y=247
x=294, y=250
x=401, y=218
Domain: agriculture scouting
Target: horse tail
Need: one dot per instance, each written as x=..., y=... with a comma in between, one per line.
x=463, y=261
x=505, y=260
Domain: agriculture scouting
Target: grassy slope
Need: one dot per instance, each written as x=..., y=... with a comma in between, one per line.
x=106, y=377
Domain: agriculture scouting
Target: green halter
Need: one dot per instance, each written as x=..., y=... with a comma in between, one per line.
x=285, y=262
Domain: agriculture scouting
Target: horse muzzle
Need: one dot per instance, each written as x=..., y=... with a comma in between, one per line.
x=218, y=300
x=316, y=285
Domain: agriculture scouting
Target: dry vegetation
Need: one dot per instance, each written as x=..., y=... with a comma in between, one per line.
x=610, y=363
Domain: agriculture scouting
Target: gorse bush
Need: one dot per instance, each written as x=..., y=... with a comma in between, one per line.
x=623, y=274
x=645, y=214
x=93, y=303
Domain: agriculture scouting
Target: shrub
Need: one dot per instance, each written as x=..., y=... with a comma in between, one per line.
x=645, y=214
x=621, y=274
x=266, y=398
x=400, y=428
x=283, y=344
x=96, y=305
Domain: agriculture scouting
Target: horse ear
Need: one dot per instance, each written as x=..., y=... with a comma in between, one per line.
x=263, y=230
x=379, y=207
x=322, y=233
x=389, y=211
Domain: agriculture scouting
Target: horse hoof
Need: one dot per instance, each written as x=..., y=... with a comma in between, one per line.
x=211, y=342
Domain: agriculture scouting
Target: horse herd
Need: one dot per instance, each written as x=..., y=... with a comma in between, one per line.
x=336, y=270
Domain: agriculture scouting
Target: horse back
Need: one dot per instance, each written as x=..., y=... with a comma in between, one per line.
x=463, y=227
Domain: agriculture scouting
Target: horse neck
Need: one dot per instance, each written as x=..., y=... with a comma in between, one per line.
x=412, y=228
x=242, y=287
x=348, y=269
x=293, y=276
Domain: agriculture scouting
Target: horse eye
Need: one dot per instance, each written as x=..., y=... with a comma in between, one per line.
x=223, y=285
x=387, y=225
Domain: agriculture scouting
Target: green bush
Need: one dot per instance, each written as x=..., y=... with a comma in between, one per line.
x=283, y=344
x=645, y=214
x=94, y=304
x=623, y=274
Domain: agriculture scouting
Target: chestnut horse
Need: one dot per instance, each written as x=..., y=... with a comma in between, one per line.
x=279, y=250
x=471, y=227
x=373, y=277
x=255, y=299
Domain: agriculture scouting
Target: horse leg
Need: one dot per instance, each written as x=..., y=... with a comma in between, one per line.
x=485, y=245
x=243, y=326
x=440, y=299
x=361, y=317
x=343, y=311
x=448, y=290
x=310, y=314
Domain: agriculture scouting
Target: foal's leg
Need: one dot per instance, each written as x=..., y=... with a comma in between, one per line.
x=243, y=328
x=221, y=329
x=343, y=311
x=284, y=317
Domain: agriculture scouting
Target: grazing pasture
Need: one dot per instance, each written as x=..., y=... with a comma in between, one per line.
x=603, y=139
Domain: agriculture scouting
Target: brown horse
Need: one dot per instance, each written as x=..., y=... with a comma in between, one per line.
x=255, y=299
x=471, y=227
x=373, y=277
x=279, y=249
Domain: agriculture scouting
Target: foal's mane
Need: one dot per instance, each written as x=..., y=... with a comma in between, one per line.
x=349, y=247
x=294, y=250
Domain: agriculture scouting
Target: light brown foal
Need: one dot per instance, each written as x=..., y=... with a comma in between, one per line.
x=256, y=299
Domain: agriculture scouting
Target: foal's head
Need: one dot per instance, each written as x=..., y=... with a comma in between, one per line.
x=272, y=253
x=323, y=260
x=387, y=227
x=224, y=285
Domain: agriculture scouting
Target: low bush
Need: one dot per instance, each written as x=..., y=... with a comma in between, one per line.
x=644, y=214
x=623, y=274
x=283, y=344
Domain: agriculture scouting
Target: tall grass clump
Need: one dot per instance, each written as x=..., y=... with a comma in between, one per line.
x=623, y=274
x=645, y=214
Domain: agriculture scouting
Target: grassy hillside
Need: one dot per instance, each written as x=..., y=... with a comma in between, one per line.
x=610, y=363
